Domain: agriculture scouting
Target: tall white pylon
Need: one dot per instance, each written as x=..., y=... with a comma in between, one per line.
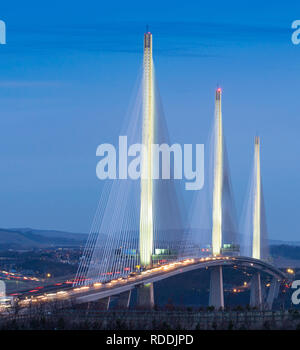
x=217, y=177
x=146, y=209
x=256, y=249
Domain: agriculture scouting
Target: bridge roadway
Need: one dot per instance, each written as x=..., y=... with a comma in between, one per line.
x=99, y=291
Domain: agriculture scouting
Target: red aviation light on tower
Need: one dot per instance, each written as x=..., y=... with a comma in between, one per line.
x=218, y=93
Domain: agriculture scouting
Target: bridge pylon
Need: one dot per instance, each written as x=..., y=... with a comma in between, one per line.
x=145, y=296
x=124, y=300
x=255, y=227
x=256, y=240
x=146, y=198
x=217, y=177
x=216, y=292
x=256, y=299
x=273, y=293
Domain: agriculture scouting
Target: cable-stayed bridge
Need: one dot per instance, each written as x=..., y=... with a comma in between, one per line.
x=141, y=233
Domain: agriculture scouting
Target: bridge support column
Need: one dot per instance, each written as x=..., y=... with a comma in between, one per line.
x=124, y=300
x=216, y=292
x=104, y=303
x=255, y=291
x=273, y=293
x=145, y=296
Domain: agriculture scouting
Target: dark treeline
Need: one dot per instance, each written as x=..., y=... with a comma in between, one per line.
x=154, y=320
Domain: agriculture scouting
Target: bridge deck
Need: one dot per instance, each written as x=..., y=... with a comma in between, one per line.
x=98, y=291
x=91, y=293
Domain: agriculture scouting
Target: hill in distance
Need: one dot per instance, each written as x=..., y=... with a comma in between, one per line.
x=27, y=238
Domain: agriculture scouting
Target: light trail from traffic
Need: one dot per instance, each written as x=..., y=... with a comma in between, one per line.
x=140, y=277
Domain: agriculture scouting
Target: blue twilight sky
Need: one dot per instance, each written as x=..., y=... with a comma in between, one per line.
x=67, y=74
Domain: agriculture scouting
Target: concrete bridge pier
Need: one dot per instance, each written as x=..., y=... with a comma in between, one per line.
x=273, y=293
x=216, y=292
x=104, y=303
x=124, y=300
x=256, y=291
x=145, y=296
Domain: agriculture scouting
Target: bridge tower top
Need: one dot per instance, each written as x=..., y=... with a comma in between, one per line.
x=148, y=41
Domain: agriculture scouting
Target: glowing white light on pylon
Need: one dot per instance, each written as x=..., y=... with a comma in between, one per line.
x=218, y=177
x=257, y=203
x=146, y=210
